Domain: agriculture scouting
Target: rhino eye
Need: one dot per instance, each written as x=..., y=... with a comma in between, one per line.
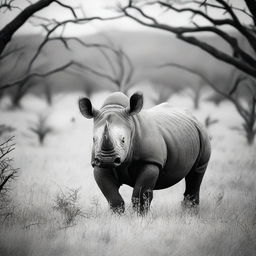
x=123, y=140
x=94, y=139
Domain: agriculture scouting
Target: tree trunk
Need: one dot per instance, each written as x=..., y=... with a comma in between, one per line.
x=8, y=31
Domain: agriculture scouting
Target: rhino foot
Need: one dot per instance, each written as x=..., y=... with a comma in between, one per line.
x=141, y=204
x=117, y=207
x=190, y=204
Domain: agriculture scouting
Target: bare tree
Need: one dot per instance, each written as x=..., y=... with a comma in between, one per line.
x=7, y=172
x=247, y=111
x=54, y=30
x=239, y=57
x=116, y=67
x=7, y=32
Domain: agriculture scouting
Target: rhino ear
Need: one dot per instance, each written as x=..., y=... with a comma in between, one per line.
x=136, y=103
x=86, y=108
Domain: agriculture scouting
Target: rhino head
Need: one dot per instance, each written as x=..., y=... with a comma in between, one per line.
x=113, y=128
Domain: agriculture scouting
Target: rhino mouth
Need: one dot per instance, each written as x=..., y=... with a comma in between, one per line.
x=107, y=160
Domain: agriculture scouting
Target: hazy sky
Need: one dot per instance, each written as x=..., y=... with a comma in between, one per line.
x=99, y=8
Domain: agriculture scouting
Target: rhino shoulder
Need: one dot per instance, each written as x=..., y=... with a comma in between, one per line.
x=149, y=145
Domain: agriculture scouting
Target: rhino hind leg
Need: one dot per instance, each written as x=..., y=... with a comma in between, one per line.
x=193, y=182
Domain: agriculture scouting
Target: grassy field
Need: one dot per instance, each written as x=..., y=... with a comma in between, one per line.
x=225, y=225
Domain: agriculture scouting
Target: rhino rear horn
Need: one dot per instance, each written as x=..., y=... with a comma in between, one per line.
x=136, y=103
x=86, y=108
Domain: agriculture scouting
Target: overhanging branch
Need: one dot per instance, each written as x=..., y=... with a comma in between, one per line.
x=240, y=59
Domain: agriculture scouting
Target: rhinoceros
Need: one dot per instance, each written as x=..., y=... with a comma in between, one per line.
x=147, y=149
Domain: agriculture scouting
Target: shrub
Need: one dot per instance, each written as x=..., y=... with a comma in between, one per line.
x=66, y=203
x=41, y=128
x=7, y=175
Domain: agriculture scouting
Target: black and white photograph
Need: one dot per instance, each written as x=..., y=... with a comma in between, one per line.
x=127, y=128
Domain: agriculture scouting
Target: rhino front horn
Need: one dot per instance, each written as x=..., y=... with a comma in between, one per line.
x=107, y=144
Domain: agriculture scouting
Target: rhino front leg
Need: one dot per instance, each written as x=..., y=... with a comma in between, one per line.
x=143, y=190
x=109, y=187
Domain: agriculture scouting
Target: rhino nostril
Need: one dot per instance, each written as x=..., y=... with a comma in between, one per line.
x=96, y=161
x=117, y=160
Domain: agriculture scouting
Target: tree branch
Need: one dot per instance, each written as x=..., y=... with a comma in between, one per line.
x=7, y=32
x=241, y=59
x=121, y=66
x=7, y=5
x=5, y=180
x=36, y=74
x=98, y=73
x=63, y=23
x=234, y=21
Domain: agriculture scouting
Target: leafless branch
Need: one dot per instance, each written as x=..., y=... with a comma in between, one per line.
x=207, y=4
x=97, y=73
x=57, y=25
x=121, y=67
x=54, y=31
x=10, y=29
x=38, y=74
x=233, y=22
x=10, y=52
x=239, y=58
x=7, y=5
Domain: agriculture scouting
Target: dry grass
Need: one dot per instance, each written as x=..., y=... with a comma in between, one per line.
x=226, y=224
